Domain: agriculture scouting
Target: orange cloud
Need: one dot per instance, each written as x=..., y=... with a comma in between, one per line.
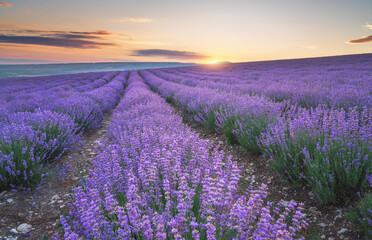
x=99, y=32
x=368, y=26
x=140, y=20
x=365, y=39
x=5, y=4
x=137, y=20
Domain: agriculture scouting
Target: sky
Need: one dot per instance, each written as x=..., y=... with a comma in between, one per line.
x=201, y=31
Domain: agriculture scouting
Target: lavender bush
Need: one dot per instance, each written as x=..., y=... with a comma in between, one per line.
x=328, y=149
x=58, y=130
x=28, y=141
x=20, y=160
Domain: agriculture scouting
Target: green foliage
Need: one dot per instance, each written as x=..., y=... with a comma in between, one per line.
x=44, y=237
x=361, y=217
x=227, y=128
x=250, y=130
x=210, y=119
x=312, y=234
x=169, y=99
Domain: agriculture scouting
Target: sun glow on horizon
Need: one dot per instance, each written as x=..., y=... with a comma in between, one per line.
x=218, y=62
x=215, y=62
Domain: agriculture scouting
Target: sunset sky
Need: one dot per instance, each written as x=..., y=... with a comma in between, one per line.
x=43, y=31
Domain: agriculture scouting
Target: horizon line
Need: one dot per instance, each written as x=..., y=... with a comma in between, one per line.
x=265, y=60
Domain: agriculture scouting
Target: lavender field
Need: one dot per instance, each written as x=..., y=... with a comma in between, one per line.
x=311, y=118
x=155, y=178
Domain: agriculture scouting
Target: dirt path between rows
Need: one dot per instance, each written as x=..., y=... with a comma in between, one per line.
x=43, y=207
x=325, y=222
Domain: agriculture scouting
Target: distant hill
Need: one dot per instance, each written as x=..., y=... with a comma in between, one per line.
x=29, y=70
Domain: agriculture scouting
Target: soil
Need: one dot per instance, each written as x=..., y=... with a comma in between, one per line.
x=42, y=208
x=325, y=222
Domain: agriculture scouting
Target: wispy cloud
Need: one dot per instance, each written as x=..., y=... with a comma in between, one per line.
x=67, y=39
x=140, y=20
x=137, y=20
x=308, y=46
x=5, y=4
x=169, y=54
x=80, y=36
x=365, y=39
x=16, y=29
x=99, y=32
x=368, y=26
x=53, y=41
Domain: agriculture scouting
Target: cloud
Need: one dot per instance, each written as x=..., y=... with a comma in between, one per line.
x=57, y=38
x=61, y=33
x=99, y=32
x=308, y=46
x=137, y=20
x=368, y=26
x=365, y=39
x=53, y=41
x=79, y=36
x=140, y=20
x=5, y=4
x=14, y=28
x=168, y=54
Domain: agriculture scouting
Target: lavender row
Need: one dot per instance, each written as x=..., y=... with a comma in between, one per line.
x=27, y=84
x=327, y=149
x=31, y=100
x=156, y=179
x=340, y=82
x=48, y=128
